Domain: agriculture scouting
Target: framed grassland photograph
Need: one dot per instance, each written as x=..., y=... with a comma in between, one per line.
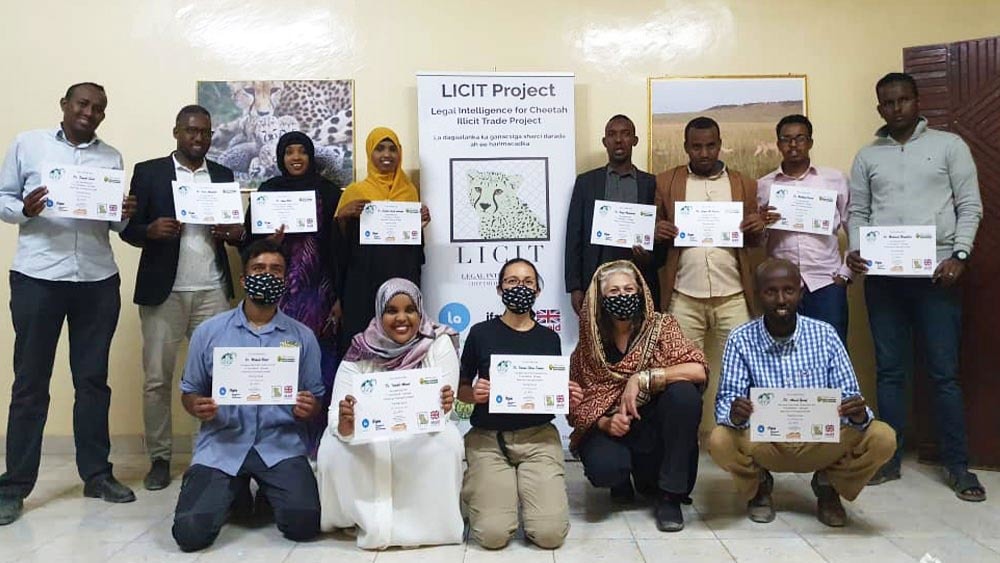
x=746, y=107
x=249, y=116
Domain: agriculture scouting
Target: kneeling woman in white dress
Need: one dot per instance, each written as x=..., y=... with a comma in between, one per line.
x=404, y=491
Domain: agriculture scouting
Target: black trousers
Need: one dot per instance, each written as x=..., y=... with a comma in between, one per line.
x=207, y=495
x=38, y=309
x=660, y=449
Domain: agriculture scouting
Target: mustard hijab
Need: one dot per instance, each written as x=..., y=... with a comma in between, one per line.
x=379, y=186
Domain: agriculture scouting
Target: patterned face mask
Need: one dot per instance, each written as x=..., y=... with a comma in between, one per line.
x=518, y=299
x=623, y=306
x=264, y=289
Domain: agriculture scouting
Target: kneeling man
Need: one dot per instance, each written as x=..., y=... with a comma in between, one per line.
x=237, y=442
x=787, y=350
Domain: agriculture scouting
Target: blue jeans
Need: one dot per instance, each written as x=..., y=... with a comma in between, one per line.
x=827, y=304
x=898, y=310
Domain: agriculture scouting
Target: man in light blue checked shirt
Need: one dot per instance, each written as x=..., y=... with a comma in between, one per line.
x=783, y=349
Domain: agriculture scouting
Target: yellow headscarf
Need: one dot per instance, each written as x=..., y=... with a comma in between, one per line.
x=379, y=186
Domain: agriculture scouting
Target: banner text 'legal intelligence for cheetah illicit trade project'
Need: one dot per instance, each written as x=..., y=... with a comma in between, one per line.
x=497, y=166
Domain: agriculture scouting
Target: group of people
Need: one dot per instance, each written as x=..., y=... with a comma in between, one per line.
x=637, y=374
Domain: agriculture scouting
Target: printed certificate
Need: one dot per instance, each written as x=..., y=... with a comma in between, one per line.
x=255, y=376
x=794, y=415
x=900, y=251
x=83, y=192
x=207, y=203
x=397, y=403
x=708, y=223
x=391, y=222
x=295, y=210
x=623, y=225
x=803, y=209
x=529, y=384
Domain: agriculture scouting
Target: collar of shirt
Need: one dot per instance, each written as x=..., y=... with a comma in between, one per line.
x=278, y=322
x=60, y=135
x=612, y=171
x=883, y=137
x=178, y=166
x=773, y=345
x=715, y=176
x=779, y=174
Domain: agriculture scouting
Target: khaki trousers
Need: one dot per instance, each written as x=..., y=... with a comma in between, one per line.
x=164, y=327
x=848, y=465
x=521, y=465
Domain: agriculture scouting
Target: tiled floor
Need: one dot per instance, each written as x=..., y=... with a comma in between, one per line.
x=899, y=521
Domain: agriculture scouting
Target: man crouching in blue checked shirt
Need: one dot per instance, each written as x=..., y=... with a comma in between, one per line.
x=237, y=442
x=783, y=349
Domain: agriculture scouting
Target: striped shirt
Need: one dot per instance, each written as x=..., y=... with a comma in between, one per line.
x=812, y=357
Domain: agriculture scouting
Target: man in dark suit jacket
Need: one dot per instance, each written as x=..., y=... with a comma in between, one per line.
x=618, y=181
x=183, y=277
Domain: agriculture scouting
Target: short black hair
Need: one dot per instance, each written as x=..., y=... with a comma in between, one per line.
x=513, y=261
x=72, y=88
x=701, y=122
x=193, y=109
x=894, y=77
x=794, y=118
x=262, y=246
x=623, y=117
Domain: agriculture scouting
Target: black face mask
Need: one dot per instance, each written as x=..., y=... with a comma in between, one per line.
x=518, y=299
x=623, y=306
x=264, y=289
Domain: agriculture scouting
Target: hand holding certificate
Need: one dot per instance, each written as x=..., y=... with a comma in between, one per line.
x=397, y=403
x=529, y=384
x=794, y=415
x=623, y=225
x=708, y=223
x=255, y=376
x=295, y=210
x=803, y=209
x=83, y=192
x=208, y=204
x=899, y=251
x=391, y=222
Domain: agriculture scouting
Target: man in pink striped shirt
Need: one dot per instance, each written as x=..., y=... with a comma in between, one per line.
x=824, y=273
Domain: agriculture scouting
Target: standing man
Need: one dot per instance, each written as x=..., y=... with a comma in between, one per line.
x=183, y=275
x=706, y=288
x=825, y=275
x=63, y=271
x=914, y=175
x=618, y=181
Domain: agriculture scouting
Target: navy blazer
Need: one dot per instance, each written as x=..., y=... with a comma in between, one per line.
x=151, y=186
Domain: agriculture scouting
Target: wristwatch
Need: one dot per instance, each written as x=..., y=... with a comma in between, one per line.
x=961, y=255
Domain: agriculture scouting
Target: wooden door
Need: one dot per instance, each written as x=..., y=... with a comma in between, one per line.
x=960, y=92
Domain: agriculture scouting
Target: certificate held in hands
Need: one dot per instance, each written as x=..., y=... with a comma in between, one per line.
x=204, y=203
x=803, y=209
x=391, y=222
x=255, y=376
x=529, y=384
x=399, y=403
x=708, y=223
x=623, y=225
x=295, y=210
x=83, y=192
x=900, y=251
x=794, y=415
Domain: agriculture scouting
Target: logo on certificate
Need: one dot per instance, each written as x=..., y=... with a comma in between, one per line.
x=765, y=399
x=222, y=391
x=604, y=211
x=368, y=386
x=503, y=367
x=56, y=173
x=182, y=189
x=228, y=358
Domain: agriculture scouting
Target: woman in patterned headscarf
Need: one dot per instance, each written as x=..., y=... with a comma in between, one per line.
x=399, y=491
x=641, y=405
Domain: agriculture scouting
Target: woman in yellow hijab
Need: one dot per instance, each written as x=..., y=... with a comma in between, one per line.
x=366, y=267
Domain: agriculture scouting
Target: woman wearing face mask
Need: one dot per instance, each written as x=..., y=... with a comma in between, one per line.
x=313, y=297
x=514, y=459
x=641, y=405
x=367, y=266
x=402, y=492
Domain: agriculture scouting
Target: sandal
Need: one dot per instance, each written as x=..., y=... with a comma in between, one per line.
x=966, y=486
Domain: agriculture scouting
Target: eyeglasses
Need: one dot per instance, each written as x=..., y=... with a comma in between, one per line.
x=512, y=281
x=797, y=140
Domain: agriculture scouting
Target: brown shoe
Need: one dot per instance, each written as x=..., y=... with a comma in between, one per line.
x=759, y=508
x=829, y=510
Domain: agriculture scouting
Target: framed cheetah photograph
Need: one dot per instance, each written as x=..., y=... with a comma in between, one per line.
x=248, y=117
x=499, y=199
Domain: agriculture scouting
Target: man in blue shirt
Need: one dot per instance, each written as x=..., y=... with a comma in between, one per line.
x=237, y=442
x=63, y=272
x=783, y=349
